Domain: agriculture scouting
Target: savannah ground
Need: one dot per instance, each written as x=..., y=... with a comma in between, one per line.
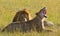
x=8, y=9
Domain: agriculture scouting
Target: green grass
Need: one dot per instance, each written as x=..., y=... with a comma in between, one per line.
x=8, y=9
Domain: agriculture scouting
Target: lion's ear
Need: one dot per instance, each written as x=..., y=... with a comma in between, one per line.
x=24, y=9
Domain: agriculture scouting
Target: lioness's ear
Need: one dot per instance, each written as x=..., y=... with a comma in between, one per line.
x=36, y=13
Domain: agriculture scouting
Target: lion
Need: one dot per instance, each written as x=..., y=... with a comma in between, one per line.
x=22, y=16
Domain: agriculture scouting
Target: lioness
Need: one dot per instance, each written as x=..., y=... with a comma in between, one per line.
x=35, y=24
x=22, y=16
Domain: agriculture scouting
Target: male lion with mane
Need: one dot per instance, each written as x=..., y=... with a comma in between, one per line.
x=22, y=16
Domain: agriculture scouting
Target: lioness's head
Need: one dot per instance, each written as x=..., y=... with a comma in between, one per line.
x=42, y=13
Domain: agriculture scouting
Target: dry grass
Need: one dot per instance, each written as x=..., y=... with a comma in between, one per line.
x=8, y=9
